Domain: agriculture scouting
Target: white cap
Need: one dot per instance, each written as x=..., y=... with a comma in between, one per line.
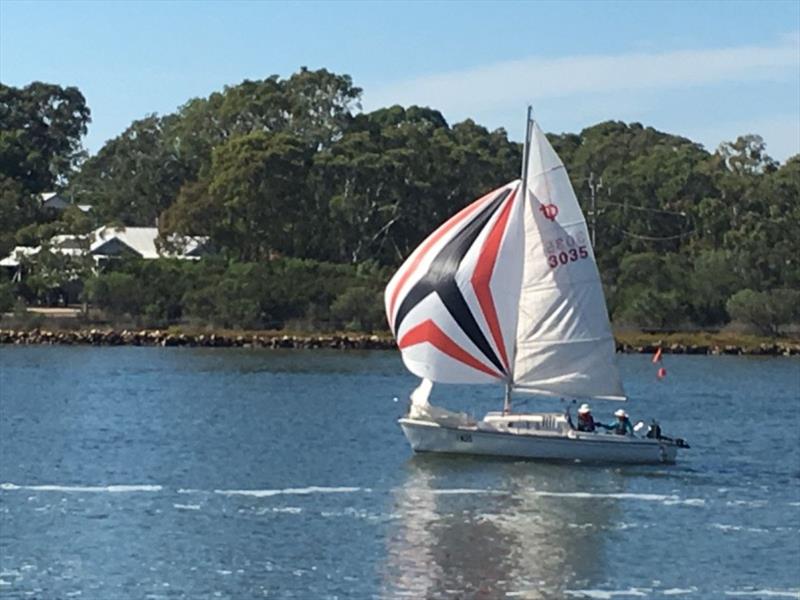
x=620, y=413
x=584, y=409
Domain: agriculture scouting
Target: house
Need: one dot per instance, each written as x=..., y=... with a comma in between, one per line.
x=53, y=201
x=11, y=263
x=109, y=243
x=115, y=242
x=57, y=202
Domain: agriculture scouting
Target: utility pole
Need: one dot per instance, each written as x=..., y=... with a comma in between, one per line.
x=594, y=185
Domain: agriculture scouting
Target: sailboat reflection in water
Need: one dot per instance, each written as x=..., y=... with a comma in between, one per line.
x=507, y=292
x=501, y=540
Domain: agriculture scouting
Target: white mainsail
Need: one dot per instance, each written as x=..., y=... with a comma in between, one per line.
x=508, y=291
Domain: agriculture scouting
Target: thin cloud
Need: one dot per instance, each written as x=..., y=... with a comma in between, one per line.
x=510, y=83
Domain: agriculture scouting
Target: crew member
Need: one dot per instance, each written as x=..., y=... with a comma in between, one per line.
x=585, y=419
x=622, y=426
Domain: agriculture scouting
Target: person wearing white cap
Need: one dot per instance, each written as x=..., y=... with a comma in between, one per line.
x=622, y=426
x=585, y=419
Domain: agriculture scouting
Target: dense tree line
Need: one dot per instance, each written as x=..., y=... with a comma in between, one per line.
x=301, y=294
x=299, y=190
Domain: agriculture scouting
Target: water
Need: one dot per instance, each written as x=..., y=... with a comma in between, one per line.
x=202, y=473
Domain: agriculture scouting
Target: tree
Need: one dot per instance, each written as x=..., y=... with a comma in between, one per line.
x=6, y=297
x=651, y=290
x=397, y=172
x=360, y=308
x=135, y=176
x=766, y=311
x=52, y=276
x=712, y=281
x=254, y=194
x=320, y=105
x=40, y=141
x=140, y=174
x=747, y=155
x=115, y=292
x=18, y=208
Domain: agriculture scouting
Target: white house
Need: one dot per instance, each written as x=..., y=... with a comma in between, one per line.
x=109, y=243
x=113, y=242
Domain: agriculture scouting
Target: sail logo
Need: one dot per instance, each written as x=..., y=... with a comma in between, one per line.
x=550, y=211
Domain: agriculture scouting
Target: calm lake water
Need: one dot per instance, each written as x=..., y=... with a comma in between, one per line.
x=130, y=473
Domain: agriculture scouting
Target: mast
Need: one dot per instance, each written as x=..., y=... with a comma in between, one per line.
x=524, y=190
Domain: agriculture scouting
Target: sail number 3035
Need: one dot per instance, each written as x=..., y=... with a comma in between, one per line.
x=567, y=256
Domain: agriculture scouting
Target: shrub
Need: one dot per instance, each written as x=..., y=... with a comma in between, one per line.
x=765, y=311
x=6, y=297
x=118, y=293
x=359, y=308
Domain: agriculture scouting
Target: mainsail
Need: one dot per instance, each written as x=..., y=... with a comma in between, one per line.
x=507, y=291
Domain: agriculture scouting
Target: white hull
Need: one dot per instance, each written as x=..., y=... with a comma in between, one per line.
x=427, y=436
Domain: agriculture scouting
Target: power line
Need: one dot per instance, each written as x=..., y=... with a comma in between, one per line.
x=646, y=208
x=596, y=184
x=650, y=238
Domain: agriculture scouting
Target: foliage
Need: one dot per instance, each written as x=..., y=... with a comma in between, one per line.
x=116, y=292
x=6, y=297
x=313, y=204
x=360, y=309
x=251, y=199
x=40, y=141
x=139, y=174
x=53, y=276
x=238, y=294
x=135, y=176
x=18, y=208
x=40, y=148
x=765, y=311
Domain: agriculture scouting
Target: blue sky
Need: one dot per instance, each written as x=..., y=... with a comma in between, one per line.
x=708, y=70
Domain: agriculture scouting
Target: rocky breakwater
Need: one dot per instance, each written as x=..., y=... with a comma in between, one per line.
x=155, y=337
x=778, y=348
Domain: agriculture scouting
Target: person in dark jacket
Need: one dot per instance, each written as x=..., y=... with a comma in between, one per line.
x=585, y=419
x=622, y=426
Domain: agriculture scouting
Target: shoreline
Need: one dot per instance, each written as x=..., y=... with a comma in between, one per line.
x=627, y=343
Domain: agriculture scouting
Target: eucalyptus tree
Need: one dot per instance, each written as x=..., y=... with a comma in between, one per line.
x=135, y=176
x=251, y=199
x=41, y=126
x=40, y=137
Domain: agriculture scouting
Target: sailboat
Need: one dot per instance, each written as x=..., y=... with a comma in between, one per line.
x=507, y=292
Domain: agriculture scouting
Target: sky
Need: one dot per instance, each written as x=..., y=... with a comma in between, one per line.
x=710, y=71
